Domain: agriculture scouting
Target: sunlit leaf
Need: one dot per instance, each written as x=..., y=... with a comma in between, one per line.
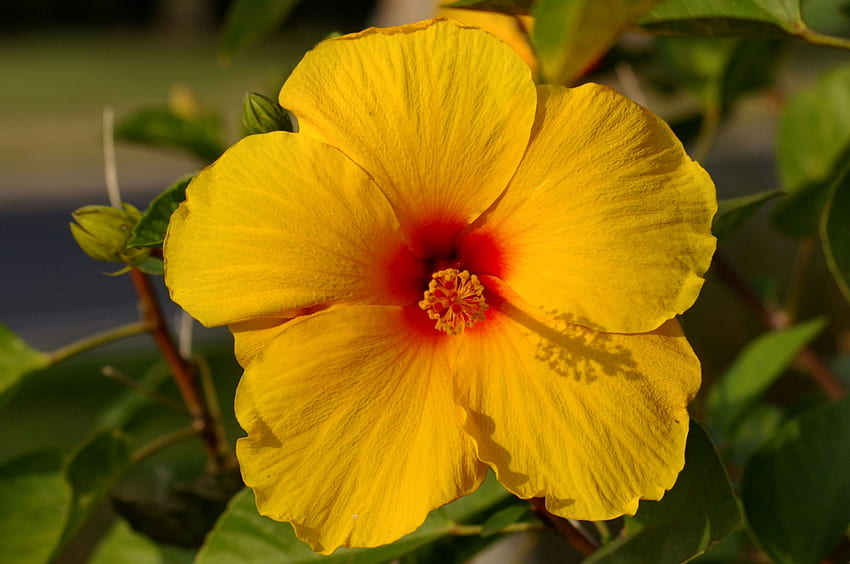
x=247, y=21
x=35, y=499
x=755, y=369
x=756, y=18
x=125, y=546
x=150, y=229
x=731, y=213
x=242, y=535
x=570, y=35
x=700, y=510
x=160, y=127
x=813, y=147
x=835, y=232
x=16, y=360
x=796, y=488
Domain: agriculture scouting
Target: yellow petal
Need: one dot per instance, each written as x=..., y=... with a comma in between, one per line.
x=607, y=220
x=513, y=30
x=438, y=115
x=282, y=223
x=252, y=336
x=353, y=433
x=591, y=421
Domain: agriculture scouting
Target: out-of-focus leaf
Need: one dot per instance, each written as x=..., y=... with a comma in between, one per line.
x=699, y=511
x=247, y=21
x=16, y=360
x=731, y=213
x=243, y=535
x=755, y=369
x=160, y=127
x=720, y=71
x=150, y=229
x=754, y=18
x=35, y=499
x=125, y=546
x=118, y=413
x=91, y=469
x=514, y=7
x=813, y=147
x=570, y=35
x=796, y=487
x=835, y=232
x=501, y=519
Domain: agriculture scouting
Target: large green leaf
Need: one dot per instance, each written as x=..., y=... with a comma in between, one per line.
x=34, y=501
x=570, y=35
x=796, y=488
x=247, y=21
x=150, y=229
x=835, y=232
x=755, y=369
x=731, y=213
x=91, y=470
x=242, y=535
x=813, y=147
x=122, y=545
x=16, y=360
x=699, y=511
x=160, y=127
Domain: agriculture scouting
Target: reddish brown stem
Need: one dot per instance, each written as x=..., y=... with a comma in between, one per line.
x=563, y=527
x=182, y=370
x=773, y=318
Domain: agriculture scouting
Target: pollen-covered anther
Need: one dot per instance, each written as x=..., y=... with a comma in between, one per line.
x=455, y=300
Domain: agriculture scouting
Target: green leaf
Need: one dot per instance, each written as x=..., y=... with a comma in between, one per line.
x=35, y=499
x=755, y=18
x=755, y=369
x=242, y=535
x=813, y=147
x=247, y=21
x=91, y=469
x=513, y=7
x=570, y=35
x=150, y=229
x=796, y=488
x=16, y=360
x=733, y=212
x=501, y=519
x=699, y=511
x=835, y=232
x=201, y=136
x=125, y=546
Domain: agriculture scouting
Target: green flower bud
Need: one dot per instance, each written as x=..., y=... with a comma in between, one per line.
x=102, y=233
x=261, y=114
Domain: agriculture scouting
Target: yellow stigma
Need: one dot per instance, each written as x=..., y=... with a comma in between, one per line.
x=455, y=299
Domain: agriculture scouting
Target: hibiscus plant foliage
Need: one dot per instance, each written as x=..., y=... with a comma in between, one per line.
x=484, y=302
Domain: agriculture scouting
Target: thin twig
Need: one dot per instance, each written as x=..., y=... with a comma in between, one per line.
x=799, y=272
x=96, y=340
x=472, y=530
x=162, y=442
x=110, y=169
x=118, y=376
x=181, y=369
x=563, y=527
x=774, y=319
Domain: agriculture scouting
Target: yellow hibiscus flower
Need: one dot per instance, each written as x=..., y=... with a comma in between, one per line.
x=448, y=269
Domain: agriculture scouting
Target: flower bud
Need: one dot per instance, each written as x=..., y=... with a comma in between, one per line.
x=261, y=114
x=103, y=231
